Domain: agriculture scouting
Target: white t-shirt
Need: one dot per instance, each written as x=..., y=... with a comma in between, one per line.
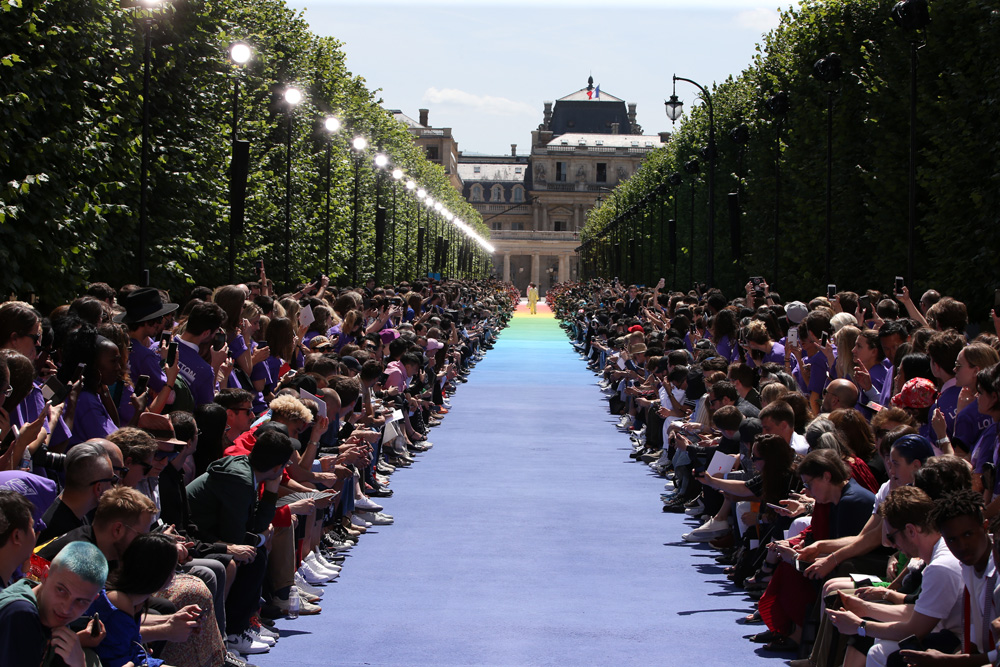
x=883, y=493
x=941, y=590
x=799, y=444
x=977, y=585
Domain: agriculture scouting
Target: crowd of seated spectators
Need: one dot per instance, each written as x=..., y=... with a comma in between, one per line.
x=176, y=476
x=839, y=454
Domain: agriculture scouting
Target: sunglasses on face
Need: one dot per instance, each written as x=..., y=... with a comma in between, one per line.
x=169, y=456
x=114, y=479
x=120, y=471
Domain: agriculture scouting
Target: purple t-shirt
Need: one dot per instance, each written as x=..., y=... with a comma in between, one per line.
x=40, y=491
x=727, y=350
x=144, y=361
x=970, y=424
x=985, y=450
x=947, y=403
x=197, y=373
x=272, y=365
x=28, y=410
x=818, y=367
x=91, y=419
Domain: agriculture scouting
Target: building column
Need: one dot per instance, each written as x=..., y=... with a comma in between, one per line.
x=534, y=268
x=534, y=213
x=563, y=268
x=506, y=267
x=576, y=217
x=545, y=219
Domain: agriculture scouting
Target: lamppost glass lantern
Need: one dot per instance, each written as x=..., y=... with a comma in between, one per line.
x=240, y=53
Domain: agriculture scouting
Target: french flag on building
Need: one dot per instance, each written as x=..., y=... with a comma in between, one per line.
x=597, y=92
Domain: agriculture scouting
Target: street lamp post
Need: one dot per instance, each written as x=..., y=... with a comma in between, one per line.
x=292, y=97
x=381, y=161
x=359, y=144
x=827, y=69
x=675, y=180
x=147, y=58
x=239, y=54
x=674, y=110
x=912, y=15
x=397, y=175
x=777, y=104
x=410, y=187
x=692, y=167
x=332, y=125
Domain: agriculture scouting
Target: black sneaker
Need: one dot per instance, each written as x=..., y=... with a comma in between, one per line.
x=234, y=660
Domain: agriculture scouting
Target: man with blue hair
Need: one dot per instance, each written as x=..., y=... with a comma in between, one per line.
x=34, y=621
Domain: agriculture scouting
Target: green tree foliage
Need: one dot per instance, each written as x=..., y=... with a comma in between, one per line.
x=70, y=135
x=958, y=138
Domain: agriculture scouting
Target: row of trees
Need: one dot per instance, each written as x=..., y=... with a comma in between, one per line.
x=70, y=131
x=958, y=175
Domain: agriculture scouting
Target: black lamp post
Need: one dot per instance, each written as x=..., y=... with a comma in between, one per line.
x=777, y=104
x=292, y=97
x=675, y=180
x=674, y=110
x=912, y=15
x=359, y=144
x=692, y=167
x=397, y=175
x=331, y=124
x=147, y=57
x=827, y=69
x=410, y=187
x=240, y=54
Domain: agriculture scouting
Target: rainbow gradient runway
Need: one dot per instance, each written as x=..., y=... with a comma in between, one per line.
x=524, y=538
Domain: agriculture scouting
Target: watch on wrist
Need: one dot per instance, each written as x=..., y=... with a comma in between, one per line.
x=861, y=629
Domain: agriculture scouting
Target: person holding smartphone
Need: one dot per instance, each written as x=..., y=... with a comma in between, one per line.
x=144, y=316
x=199, y=372
x=95, y=362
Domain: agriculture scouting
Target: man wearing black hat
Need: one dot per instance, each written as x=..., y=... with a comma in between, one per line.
x=144, y=311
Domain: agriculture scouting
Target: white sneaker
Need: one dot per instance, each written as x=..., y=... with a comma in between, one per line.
x=376, y=518
x=314, y=576
x=305, y=587
x=358, y=521
x=695, y=510
x=257, y=637
x=707, y=532
x=324, y=562
x=319, y=565
x=365, y=504
x=244, y=643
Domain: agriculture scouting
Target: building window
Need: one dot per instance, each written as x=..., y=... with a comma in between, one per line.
x=516, y=226
x=477, y=169
x=559, y=225
x=518, y=194
x=517, y=170
x=602, y=172
x=432, y=153
x=561, y=169
x=477, y=192
x=496, y=193
x=496, y=226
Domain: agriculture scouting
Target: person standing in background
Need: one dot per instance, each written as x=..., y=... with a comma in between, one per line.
x=532, y=298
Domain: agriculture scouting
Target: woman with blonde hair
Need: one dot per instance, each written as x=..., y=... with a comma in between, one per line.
x=846, y=338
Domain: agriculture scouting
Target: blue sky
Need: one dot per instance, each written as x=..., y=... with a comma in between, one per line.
x=484, y=67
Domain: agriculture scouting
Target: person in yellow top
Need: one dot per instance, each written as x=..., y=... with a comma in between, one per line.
x=532, y=298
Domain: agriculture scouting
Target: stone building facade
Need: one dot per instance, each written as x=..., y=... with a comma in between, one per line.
x=536, y=204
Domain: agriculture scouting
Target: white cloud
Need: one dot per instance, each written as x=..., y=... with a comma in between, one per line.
x=486, y=104
x=759, y=19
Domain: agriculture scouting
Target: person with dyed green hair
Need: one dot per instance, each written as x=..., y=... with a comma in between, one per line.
x=34, y=621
